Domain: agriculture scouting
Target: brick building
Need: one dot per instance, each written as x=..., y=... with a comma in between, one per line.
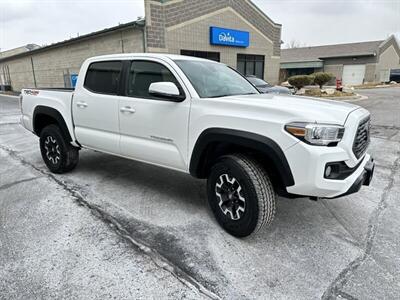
x=354, y=63
x=234, y=32
x=55, y=65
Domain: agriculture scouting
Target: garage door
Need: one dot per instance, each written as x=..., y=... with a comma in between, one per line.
x=395, y=75
x=353, y=74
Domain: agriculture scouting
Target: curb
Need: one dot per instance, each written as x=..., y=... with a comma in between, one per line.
x=359, y=98
x=378, y=87
x=9, y=96
x=355, y=98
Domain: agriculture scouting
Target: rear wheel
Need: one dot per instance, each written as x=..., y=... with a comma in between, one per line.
x=241, y=195
x=57, y=153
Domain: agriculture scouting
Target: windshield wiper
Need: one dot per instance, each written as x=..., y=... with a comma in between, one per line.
x=227, y=95
x=220, y=96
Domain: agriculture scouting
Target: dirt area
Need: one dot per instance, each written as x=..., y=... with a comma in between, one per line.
x=319, y=93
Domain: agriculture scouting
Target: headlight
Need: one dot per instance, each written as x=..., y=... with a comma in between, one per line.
x=316, y=134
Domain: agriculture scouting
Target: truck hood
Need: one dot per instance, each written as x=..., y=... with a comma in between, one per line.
x=303, y=108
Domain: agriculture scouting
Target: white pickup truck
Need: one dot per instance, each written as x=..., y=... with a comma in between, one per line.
x=205, y=119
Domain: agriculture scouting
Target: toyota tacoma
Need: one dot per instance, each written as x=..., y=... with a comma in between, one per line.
x=203, y=118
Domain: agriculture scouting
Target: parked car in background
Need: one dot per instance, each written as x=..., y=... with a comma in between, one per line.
x=266, y=88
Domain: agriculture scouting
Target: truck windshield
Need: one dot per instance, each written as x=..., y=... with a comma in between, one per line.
x=213, y=80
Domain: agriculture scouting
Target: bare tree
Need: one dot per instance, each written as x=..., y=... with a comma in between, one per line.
x=294, y=44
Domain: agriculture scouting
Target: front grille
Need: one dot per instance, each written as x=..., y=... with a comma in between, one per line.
x=362, y=139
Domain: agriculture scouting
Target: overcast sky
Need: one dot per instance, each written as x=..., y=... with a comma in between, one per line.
x=309, y=22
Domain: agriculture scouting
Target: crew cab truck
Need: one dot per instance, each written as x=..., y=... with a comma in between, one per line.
x=205, y=119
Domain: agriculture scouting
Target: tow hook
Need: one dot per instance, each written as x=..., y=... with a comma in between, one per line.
x=369, y=169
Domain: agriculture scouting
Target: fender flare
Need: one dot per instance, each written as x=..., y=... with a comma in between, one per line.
x=53, y=113
x=250, y=140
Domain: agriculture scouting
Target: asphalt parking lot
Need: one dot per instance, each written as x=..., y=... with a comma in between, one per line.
x=115, y=228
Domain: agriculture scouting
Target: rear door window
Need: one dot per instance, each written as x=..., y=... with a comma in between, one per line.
x=104, y=77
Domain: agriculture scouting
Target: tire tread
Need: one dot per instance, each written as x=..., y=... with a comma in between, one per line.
x=263, y=186
x=71, y=152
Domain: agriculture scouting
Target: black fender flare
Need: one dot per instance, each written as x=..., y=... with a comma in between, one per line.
x=53, y=113
x=250, y=140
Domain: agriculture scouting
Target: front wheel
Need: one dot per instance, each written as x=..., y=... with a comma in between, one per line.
x=57, y=153
x=241, y=195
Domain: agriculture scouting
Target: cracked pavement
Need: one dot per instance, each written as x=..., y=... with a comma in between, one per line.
x=115, y=228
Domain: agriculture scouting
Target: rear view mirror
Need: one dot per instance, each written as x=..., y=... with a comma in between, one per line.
x=167, y=90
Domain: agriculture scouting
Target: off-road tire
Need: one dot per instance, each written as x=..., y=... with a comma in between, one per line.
x=67, y=156
x=257, y=190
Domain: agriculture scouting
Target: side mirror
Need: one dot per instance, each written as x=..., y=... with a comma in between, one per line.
x=167, y=90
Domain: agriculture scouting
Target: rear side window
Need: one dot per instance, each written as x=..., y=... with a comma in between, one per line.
x=104, y=77
x=143, y=73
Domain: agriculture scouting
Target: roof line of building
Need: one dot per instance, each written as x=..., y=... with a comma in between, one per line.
x=348, y=55
x=392, y=36
x=170, y=2
x=259, y=10
x=322, y=57
x=327, y=45
x=139, y=24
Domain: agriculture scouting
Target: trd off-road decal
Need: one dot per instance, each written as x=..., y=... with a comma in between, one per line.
x=31, y=92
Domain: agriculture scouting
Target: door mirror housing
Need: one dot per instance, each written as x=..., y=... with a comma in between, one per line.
x=167, y=90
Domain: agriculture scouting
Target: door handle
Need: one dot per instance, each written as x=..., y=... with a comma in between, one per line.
x=127, y=109
x=81, y=104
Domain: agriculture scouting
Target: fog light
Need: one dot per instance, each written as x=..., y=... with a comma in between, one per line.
x=328, y=171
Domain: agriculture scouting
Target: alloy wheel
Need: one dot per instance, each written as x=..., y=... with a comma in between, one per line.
x=231, y=201
x=53, y=152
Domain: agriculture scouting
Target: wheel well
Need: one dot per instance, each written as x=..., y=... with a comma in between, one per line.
x=215, y=142
x=44, y=116
x=215, y=150
x=41, y=121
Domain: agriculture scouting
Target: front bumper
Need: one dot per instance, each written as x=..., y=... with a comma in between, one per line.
x=308, y=164
x=365, y=178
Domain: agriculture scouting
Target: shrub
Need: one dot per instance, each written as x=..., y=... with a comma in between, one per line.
x=312, y=79
x=322, y=78
x=300, y=81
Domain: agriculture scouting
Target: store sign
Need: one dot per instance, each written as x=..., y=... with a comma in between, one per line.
x=229, y=37
x=74, y=79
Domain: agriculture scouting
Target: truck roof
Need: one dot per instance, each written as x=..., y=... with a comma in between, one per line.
x=148, y=55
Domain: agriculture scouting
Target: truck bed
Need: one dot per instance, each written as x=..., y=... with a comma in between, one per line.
x=33, y=100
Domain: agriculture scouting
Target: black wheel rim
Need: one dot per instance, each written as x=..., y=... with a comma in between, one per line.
x=53, y=153
x=229, y=194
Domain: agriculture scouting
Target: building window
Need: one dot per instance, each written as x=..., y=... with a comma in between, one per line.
x=301, y=71
x=251, y=65
x=103, y=77
x=215, y=56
